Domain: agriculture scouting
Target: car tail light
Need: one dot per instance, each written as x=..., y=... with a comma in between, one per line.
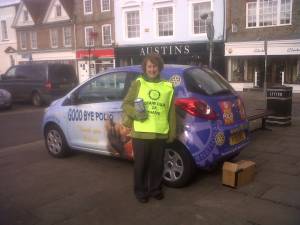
x=48, y=85
x=196, y=107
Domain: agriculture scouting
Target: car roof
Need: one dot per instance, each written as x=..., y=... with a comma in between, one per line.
x=168, y=68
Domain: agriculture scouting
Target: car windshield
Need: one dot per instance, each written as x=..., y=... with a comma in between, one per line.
x=206, y=81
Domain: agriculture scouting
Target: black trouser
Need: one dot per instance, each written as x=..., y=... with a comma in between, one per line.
x=148, y=166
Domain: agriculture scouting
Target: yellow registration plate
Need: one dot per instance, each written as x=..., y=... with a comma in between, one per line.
x=236, y=138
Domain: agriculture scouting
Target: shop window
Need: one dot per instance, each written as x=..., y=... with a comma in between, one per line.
x=200, y=25
x=165, y=21
x=133, y=24
x=237, y=70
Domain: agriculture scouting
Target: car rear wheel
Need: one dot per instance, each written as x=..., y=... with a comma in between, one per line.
x=36, y=99
x=179, y=166
x=56, y=142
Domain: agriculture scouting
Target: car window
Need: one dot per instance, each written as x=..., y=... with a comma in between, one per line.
x=35, y=72
x=108, y=87
x=62, y=74
x=11, y=73
x=206, y=81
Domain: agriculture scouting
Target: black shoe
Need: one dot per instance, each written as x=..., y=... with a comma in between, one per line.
x=143, y=200
x=159, y=196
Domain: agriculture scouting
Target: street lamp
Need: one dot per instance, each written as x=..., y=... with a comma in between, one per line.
x=210, y=32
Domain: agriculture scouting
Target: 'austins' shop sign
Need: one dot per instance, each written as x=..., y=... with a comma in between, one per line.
x=166, y=50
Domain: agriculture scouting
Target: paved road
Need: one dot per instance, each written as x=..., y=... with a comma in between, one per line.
x=87, y=189
x=20, y=125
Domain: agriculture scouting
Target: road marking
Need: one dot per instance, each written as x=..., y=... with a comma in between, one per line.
x=22, y=147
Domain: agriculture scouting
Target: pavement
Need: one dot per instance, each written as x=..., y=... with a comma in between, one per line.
x=85, y=189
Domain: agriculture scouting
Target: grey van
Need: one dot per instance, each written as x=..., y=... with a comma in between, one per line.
x=39, y=83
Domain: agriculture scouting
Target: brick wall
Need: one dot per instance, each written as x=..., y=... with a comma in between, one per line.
x=97, y=19
x=236, y=13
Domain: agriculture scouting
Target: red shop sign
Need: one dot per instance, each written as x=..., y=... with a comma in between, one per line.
x=100, y=53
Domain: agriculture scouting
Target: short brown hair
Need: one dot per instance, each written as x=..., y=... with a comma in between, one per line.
x=155, y=59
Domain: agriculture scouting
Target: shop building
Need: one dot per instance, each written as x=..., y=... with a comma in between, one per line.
x=45, y=31
x=174, y=29
x=260, y=31
x=95, y=36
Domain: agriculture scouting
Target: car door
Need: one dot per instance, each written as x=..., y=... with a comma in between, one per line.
x=95, y=118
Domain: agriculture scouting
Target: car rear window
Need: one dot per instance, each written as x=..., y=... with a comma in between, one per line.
x=206, y=81
x=62, y=74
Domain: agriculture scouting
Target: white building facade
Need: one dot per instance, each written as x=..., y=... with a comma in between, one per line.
x=174, y=29
x=8, y=40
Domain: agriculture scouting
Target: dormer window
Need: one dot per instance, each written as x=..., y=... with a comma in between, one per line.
x=25, y=15
x=58, y=10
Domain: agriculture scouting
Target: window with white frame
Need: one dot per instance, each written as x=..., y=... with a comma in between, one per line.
x=251, y=8
x=89, y=40
x=165, y=21
x=267, y=12
x=132, y=24
x=106, y=34
x=285, y=11
x=58, y=10
x=261, y=13
x=54, y=38
x=105, y=5
x=67, y=31
x=33, y=39
x=87, y=5
x=200, y=25
x=25, y=16
x=4, y=35
x=23, y=40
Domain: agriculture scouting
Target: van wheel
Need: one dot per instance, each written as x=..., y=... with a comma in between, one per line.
x=56, y=142
x=36, y=99
x=179, y=167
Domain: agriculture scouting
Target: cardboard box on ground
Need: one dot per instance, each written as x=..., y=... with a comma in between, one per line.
x=239, y=173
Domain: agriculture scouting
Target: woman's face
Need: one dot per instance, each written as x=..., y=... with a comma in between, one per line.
x=151, y=70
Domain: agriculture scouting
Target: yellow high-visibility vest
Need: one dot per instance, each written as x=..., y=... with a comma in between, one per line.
x=157, y=99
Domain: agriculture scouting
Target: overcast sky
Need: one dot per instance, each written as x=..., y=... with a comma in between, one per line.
x=8, y=2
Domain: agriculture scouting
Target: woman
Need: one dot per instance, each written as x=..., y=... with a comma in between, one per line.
x=151, y=128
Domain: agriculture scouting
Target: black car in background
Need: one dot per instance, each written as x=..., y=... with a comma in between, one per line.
x=39, y=83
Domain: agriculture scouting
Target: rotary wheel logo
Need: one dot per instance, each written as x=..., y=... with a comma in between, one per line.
x=220, y=138
x=175, y=80
x=154, y=94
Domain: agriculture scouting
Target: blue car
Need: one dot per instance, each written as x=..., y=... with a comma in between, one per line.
x=211, y=120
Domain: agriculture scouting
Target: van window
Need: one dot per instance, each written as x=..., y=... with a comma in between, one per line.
x=206, y=81
x=62, y=73
x=32, y=72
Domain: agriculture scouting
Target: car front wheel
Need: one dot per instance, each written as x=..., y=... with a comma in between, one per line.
x=56, y=142
x=179, y=166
